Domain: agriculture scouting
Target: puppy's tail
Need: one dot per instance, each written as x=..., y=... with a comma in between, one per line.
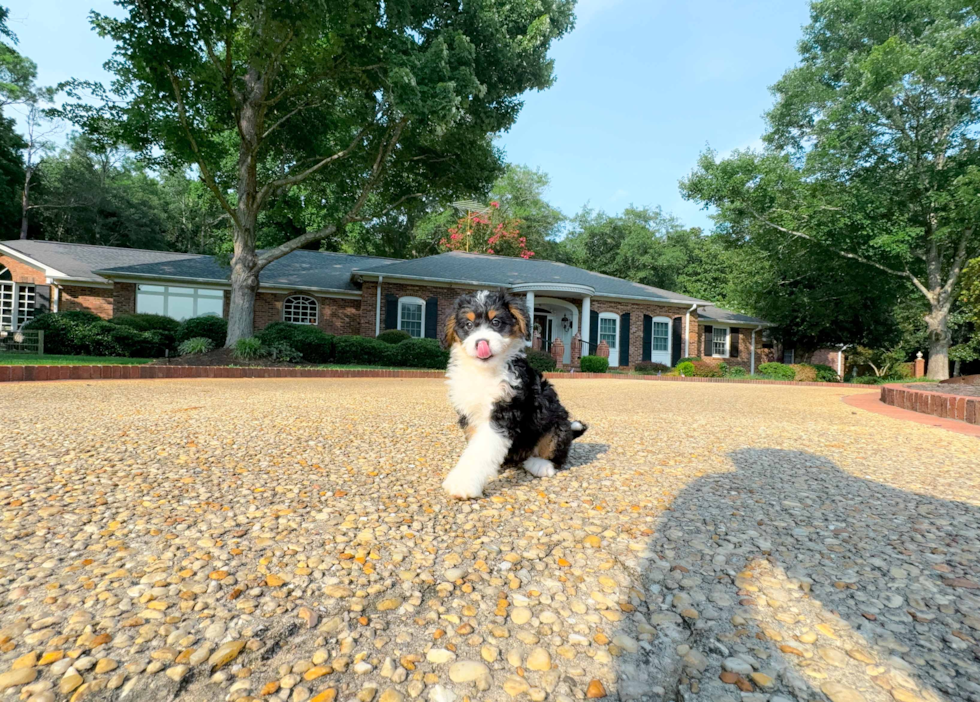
x=578, y=429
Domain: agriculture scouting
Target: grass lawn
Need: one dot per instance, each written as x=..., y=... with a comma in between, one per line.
x=28, y=359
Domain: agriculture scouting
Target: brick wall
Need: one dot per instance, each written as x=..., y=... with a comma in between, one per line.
x=369, y=299
x=744, y=359
x=95, y=300
x=636, y=311
x=123, y=299
x=21, y=272
x=335, y=315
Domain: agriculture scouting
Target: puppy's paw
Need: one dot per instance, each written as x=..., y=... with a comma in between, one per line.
x=462, y=485
x=540, y=467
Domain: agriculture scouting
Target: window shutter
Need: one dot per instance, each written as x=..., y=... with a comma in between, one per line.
x=624, y=339
x=733, y=343
x=432, y=318
x=593, y=332
x=42, y=298
x=675, y=338
x=647, y=336
x=707, y=340
x=391, y=311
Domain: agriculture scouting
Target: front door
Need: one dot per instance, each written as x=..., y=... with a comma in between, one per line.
x=609, y=332
x=660, y=341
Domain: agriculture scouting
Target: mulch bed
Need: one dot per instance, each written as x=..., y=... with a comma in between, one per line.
x=947, y=389
x=221, y=357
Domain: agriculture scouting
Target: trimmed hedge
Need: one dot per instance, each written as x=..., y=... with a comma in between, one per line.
x=689, y=359
x=826, y=374
x=685, y=368
x=147, y=322
x=79, y=333
x=777, y=371
x=736, y=372
x=417, y=353
x=650, y=367
x=393, y=336
x=594, y=364
x=314, y=345
x=804, y=372
x=703, y=369
x=214, y=328
x=361, y=350
x=541, y=361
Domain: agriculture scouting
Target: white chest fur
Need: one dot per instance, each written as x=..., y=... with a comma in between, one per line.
x=474, y=386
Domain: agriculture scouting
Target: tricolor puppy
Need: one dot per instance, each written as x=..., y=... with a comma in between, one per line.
x=507, y=410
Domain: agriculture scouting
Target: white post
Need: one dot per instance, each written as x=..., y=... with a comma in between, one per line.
x=752, y=362
x=377, y=309
x=586, y=321
x=530, y=312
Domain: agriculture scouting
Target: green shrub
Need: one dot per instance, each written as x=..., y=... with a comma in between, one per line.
x=689, y=359
x=867, y=380
x=63, y=331
x=394, y=336
x=197, y=344
x=314, y=345
x=541, y=361
x=826, y=374
x=214, y=328
x=594, y=364
x=903, y=371
x=417, y=353
x=685, y=368
x=78, y=333
x=650, y=368
x=248, y=349
x=147, y=322
x=737, y=372
x=777, y=371
x=282, y=352
x=362, y=350
x=703, y=369
x=804, y=373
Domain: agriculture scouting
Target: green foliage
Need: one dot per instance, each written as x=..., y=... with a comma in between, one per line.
x=650, y=368
x=393, y=336
x=594, y=364
x=704, y=369
x=416, y=353
x=362, y=350
x=214, y=328
x=881, y=363
x=249, y=349
x=804, y=372
x=736, y=372
x=17, y=72
x=11, y=178
x=970, y=290
x=691, y=359
x=826, y=374
x=686, y=368
x=83, y=333
x=195, y=345
x=148, y=322
x=777, y=371
x=541, y=361
x=310, y=342
x=281, y=352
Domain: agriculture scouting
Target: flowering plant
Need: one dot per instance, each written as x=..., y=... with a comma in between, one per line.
x=489, y=232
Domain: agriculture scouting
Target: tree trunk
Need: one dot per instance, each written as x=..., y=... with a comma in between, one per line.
x=937, y=323
x=241, y=312
x=25, y=202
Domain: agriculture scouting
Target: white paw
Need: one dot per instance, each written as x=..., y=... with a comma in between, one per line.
x=540, y=467
x=462, y=485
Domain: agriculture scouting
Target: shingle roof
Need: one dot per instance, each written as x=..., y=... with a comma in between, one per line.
x=482, y=269
x=299, y=269
x=710, y=313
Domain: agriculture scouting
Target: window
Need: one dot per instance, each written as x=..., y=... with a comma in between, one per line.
x=661, y=336
x=411, y=313
x=789, y=356
x=608, y=328
x=179, y=303
x=719, y=341
x=16, y=305
x=6, y=306
x=299, y=309
x=5, y=274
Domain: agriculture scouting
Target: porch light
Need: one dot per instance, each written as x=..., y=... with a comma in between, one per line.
x=566, y=323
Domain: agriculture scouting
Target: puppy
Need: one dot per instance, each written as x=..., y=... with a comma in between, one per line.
x=507, y=410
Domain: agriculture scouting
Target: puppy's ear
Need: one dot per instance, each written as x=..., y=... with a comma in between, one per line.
x=449, y=337
x=517, y=308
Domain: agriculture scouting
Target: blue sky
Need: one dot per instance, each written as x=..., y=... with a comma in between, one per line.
x=643, y=86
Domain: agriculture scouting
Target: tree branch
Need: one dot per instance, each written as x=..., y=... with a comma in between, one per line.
x=959, y=260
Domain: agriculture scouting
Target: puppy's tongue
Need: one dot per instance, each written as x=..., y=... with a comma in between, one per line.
x=483, y=349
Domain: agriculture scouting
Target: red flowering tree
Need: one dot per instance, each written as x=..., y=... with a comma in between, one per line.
x=490, y=231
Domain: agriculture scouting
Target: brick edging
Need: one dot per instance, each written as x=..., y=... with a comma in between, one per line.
x=937, y=404
x=148, y=372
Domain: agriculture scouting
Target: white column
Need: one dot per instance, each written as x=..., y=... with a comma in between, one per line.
x=530, y=313
x=586, y=321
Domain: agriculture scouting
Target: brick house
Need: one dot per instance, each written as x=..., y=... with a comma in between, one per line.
x=575, y=311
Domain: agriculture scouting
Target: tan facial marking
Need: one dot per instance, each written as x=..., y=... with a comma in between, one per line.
x=471, y=316
x=491, y=314
x=451, y=337
x=521, y=316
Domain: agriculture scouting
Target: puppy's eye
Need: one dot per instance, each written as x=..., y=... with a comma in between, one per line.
x=495, y=323
x=468, y=325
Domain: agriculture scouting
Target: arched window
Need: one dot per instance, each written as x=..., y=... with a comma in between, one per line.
x=411, y=316
x=5, y=274
x=299, y=309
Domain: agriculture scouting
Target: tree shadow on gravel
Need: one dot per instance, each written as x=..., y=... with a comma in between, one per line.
x=788, y=579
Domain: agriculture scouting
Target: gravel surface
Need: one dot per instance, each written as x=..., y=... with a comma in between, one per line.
x=288, y=540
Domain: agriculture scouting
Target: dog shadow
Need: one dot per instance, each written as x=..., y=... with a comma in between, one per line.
x=583, y=453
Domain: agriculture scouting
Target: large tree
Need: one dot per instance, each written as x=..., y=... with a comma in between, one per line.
x=872, y=149
x=362, y=103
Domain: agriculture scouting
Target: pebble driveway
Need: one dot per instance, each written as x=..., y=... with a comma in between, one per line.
x=288, y=540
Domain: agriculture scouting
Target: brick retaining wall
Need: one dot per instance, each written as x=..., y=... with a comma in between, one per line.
x=937, y=404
